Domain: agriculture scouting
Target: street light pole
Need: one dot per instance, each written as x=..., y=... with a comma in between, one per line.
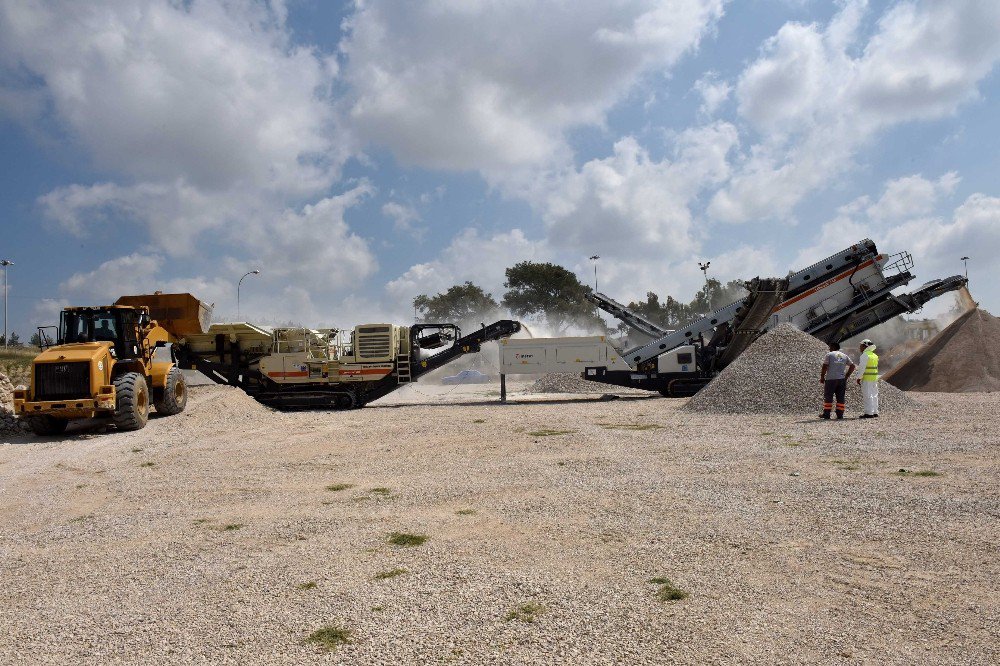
x=704, y=269
x=594, y=259
x=965, y=262
x=238, y=285
x=6, y=263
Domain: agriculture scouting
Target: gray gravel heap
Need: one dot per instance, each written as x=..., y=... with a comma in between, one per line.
x=9, y=425
x=560, y=382
x=779, y=373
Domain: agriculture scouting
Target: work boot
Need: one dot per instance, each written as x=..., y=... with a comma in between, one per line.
x=866, y=416
x=825, y=414
x=840, y=414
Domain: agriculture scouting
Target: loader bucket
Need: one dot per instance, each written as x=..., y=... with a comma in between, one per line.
x=180, y=314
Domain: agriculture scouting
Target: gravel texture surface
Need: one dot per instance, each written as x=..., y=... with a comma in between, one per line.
x=561, y=382
x=779, y=373
x=228, y=534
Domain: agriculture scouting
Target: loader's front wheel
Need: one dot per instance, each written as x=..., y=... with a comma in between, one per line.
x=175, y=395
x=47, y=425
x=132, y=401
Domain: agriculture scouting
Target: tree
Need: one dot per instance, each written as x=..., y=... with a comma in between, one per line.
x=15, y=340
x=464, y=304
x=669, y=314
x=36, y=340
x=550, y=292
x=715, y=295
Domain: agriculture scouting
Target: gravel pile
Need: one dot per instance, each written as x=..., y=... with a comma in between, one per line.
x=779, y=373
x=559, y=382
x=963, y=358
x=9, y=425
x=223, y=405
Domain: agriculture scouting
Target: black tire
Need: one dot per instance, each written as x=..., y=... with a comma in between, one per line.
x=174, y=396
x=47, y=425
x=131, y=401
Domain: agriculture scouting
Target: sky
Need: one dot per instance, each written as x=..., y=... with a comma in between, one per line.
x=361, y=153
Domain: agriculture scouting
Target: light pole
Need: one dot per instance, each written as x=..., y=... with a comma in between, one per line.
x=5, y=263
x=704, y=269
x=238, y=284
x=594, y=259
x=965, y=262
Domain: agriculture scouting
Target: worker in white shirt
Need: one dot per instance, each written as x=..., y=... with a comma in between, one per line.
x=869, y=379
x=837, y=368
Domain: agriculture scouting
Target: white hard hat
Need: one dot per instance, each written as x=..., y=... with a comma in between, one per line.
x=866, y=342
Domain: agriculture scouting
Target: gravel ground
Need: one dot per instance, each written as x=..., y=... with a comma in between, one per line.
x=797, y=540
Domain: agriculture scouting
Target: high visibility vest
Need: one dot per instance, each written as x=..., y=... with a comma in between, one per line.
x=871, y=369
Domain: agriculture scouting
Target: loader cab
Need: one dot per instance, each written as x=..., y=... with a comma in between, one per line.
x=116, y=325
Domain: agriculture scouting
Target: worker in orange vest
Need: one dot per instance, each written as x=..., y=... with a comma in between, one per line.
x=837, y=369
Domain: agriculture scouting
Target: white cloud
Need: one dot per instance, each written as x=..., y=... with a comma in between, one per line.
x=713, y=92
x=630, y=205
x=470, y=256
x=911, y=196
x=212, y=93
x=485, y=85
x=815, y=102
x=404, y=218
x=136, y=273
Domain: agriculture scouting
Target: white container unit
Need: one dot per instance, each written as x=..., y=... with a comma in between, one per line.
x=570, y=354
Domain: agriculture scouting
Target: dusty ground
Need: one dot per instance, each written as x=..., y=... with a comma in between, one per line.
x=797, y=540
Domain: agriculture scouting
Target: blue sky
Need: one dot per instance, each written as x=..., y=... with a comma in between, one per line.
x=360, y=154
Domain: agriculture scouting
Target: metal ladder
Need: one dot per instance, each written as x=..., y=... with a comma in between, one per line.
x=403, y=375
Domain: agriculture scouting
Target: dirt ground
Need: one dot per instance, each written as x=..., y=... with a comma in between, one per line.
x=223, y=535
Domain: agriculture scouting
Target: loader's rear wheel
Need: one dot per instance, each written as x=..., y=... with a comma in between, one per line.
x=131, y=401
x=174, y=396
x=47, y=425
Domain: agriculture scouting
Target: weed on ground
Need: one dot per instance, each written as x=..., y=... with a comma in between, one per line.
x=391, y=573
x=546, y=432
x=380, y=491
x=329, y=637
x=232, y=527
x=910, y=472
x=311, y=585
x=466, y=512
x=668, y=591
x=336, y=487
x=525, y=612
x=630, y=426
x=408, y=540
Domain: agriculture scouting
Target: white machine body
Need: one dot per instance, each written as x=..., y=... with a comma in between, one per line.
x=680, y=359
x=570, y=354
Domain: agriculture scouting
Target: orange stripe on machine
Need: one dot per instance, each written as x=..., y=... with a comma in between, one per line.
x=826, y=284
x=366, y=371
x=288, y=374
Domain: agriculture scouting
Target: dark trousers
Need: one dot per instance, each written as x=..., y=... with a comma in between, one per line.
x=834, y=388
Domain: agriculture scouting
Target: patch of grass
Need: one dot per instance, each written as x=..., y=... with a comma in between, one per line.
x=380, y=491
x=378, y=609
x=479, y=420
x=336, y=487
x=547, y=432
x=910, y=472
x=391, y=573
x=525, y=612
x=232, y=527
x=136, y=450
x=80, y=519
x=466, y=512
x=668, y=591
x=765, y=434
x=311, y=585
x=408, y=540
x=202, y=521
x=81, y=485
x=147, y=464
x=630, y=426
x=329, y=637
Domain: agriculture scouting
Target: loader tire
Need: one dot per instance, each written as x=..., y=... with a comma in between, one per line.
x=47, y=425
x=131, y=401
x=174, y=396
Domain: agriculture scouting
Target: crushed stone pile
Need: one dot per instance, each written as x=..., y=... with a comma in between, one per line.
x=9, y=425
x=561, y=382
x=779, y=373
x=963, y=358
x=221, y=405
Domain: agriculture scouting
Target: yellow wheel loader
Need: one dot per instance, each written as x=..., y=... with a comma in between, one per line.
x=103, y=363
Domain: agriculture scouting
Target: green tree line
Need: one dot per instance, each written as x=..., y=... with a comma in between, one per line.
x=551, y=295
